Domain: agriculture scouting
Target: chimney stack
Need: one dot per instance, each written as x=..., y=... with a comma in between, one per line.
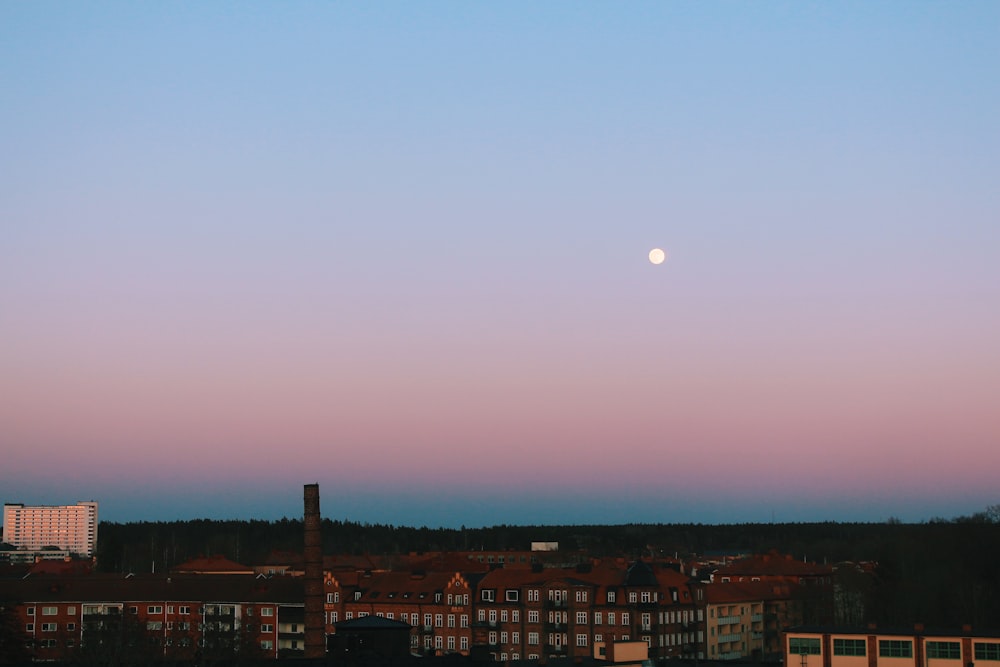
x=315, y=629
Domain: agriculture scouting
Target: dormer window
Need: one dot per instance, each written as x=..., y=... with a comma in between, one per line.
x=488, y=595
x=611, y=597
x=512, y=595
x=357, y=595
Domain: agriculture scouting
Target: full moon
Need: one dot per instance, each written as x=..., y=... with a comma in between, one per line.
x=656, y=256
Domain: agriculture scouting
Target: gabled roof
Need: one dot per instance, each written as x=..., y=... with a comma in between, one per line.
x=406, y=586
x=773, y=564
x=745, y=591
x=217, y=564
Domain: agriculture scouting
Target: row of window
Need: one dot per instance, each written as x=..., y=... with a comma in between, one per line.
x=560, y=596
x=183, y=610
x=48, y=627
x=893, y=648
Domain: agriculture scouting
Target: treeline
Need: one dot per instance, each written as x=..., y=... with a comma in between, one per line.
x=942, y=572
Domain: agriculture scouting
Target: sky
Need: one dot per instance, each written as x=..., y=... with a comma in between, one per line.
x=400, y=250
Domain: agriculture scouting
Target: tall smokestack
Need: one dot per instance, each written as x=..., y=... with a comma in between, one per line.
x=315, y=628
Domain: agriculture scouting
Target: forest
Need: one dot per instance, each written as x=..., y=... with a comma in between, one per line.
x=941, y=573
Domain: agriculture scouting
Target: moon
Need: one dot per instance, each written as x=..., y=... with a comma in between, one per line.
x=656, y=256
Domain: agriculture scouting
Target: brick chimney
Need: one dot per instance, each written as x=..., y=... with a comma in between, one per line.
x=315, y=628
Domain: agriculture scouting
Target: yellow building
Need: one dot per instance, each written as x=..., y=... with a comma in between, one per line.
x=871, y=647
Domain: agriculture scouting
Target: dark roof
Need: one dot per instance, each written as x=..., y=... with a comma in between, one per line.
x=210, y=588
x=640, y=574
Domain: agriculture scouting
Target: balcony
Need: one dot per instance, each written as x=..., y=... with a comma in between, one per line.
x=556, y=604
x=735, y=637
x=756, y=618
x=728, y=620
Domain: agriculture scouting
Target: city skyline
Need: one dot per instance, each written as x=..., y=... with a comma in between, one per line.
x=402, y=251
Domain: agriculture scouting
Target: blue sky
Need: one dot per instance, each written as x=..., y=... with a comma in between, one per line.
x=396, y=248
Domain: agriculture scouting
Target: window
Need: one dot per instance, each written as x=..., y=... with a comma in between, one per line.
x=581, y=640
x=625, y=619
x=31, y=611
x=611, y=618
x=451, y=621
x=532, y=595
x=849, y=647
x=493, y=638
x=329, y=598
x=512, y=595
x=581, y=596
x=49, y=627
x=154, y=609
x=154, y=625
x=533, y=639
x=451, y=643
x=463, y=620
x=30, y=627
x=184, y=610
x=515, y=615
x=987, y=651
x=133, y=610
x=438, y=620
x=515, y=637
x=488, y=594
x=266, y=644
x=71, y=626
x=533, y=616
x=463, y=643
x=503, y=637
x=633, y=596
x=598, y=618
x=803, y=645
x=581, y=618
x=944, y=650
x=266, y=627
x=267, y=611
x=611, y=597
x=895, y=648
x=50, y=611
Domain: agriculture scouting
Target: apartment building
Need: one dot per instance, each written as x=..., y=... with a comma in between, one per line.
x=66, y=618
x=437, y=605
x=744, y=619
x=566, y=612
x=874, y=647
x=34, y=528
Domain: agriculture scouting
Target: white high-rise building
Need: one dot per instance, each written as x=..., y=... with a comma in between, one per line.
x=71, y=528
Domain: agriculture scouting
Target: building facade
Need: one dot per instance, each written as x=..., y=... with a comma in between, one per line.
x=34, y=528
x=873, y=647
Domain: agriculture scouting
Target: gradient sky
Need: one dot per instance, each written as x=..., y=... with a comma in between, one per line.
x=399, y=249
